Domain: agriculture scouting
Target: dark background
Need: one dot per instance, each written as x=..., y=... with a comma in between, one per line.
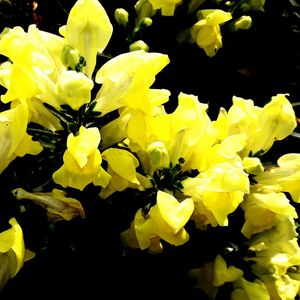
x=85, y=258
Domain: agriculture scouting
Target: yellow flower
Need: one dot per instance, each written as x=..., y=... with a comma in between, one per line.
x=89, y=30
x=223, y=274
x=35, y=56
x=126, y=80
x=13, y=137
x=208, y=153
x=276, y=253
x=12, y=251
x=206, y=32
x=58, y=206
x=75, y=88
x=166, y=220
x=261, y=211
x=253, y=165
x=167, y=6
x=286, y=175
x=262, y=126
x=82, y=161
x=219, y=190
x=277, y=120
x=122, y=166
x=181, y=134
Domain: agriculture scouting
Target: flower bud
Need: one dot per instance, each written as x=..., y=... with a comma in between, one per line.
x=158, y=155
x=75, y=88
x=146, y=22
x=70, y=57
x=121, y=16
x=244, y=23
x=139, y=45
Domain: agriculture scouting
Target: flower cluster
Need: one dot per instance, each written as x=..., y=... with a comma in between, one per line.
x=86, y=125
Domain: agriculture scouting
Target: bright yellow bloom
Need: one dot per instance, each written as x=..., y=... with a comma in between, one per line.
x=14, y=140
x=276, y=253
x=182, y=134
x=126, y=80
x=261, y=211
x=133, y=122
x=58, y=206
x=219, y=190
x=208, y=153
x=122, y=166
x=206, y=32
x=82, y=161
x=167, y=6
x=89, y=30
x=223, y=274
x=37, y=74
x=12, y=251
x=75, y=88
x=286, y=175
x=166, y=220
x=242, y=117
x=36, y=60
x=262, y=126
x=277, y=120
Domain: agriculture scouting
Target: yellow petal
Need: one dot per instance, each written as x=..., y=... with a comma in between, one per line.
x=174, y=213
x=83, y=145
x=223, y=274
x=89, y=30
x=122, y=162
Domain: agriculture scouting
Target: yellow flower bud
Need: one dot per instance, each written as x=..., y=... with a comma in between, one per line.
x=139, y=45
x=158, y=155
x=121, y=16
x=146, y=22
x=244, y=23
x=70, y=57
x=75, y=88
